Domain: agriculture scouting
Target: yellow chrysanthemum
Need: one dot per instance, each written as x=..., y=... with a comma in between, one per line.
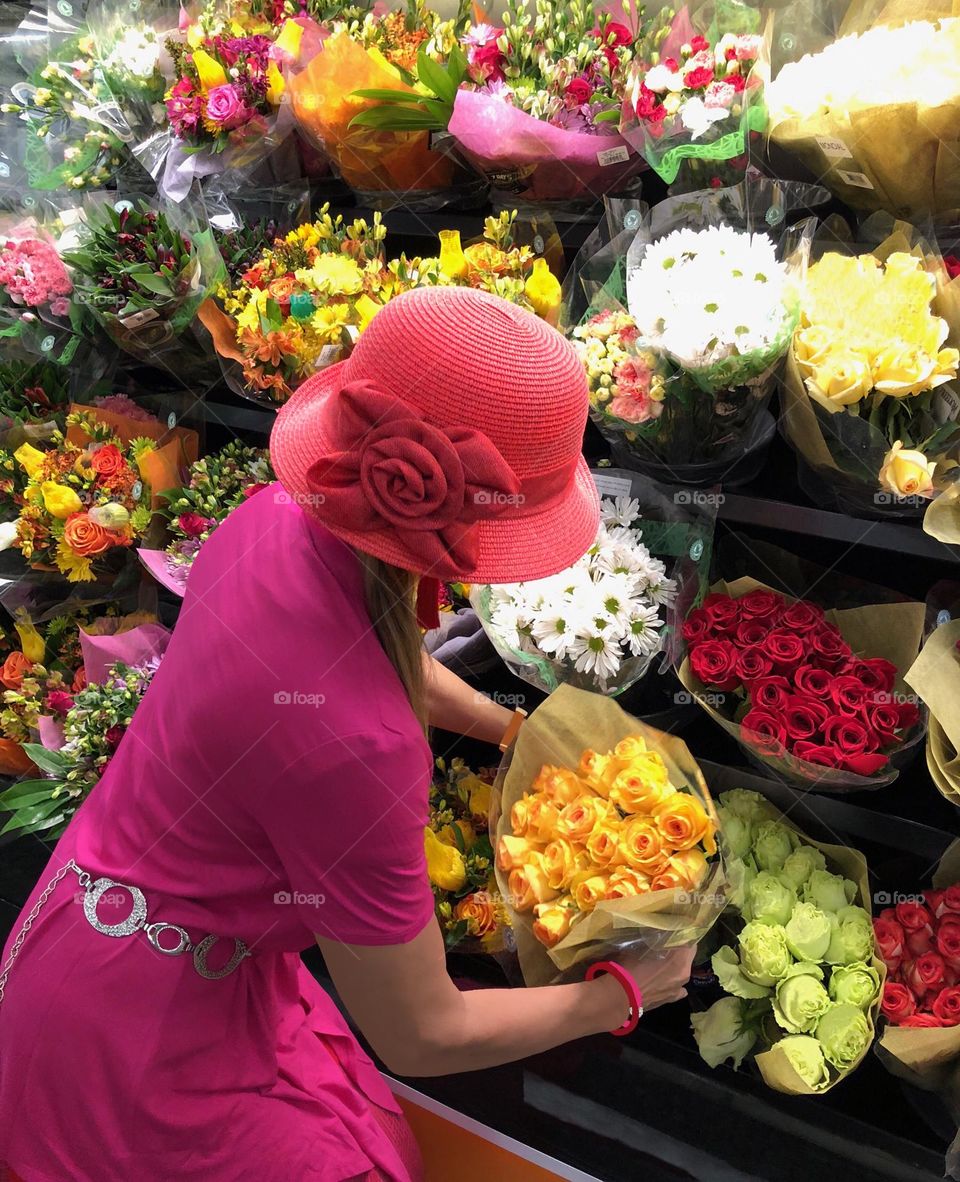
x=77, y=568
x=332, y=274
x=329, y=321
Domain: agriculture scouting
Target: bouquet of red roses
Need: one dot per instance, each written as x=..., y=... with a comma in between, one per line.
x=796, y=687
x=919, y=942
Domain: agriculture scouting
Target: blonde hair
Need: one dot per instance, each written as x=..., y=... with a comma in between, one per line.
x=390, y=594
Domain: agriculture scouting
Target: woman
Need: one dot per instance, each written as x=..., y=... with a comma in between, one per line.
x=272, y=791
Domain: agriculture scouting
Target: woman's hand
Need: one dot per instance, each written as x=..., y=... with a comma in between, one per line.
x=453, y=706
x=660, y=976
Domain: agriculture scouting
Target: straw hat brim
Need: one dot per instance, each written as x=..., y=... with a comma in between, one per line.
x=512, y=548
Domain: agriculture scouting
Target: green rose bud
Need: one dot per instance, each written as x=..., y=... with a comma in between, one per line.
x=801, y=1000
x=844, y=1034
x=737, y=832
x=726, y=964
x=768, y=900
x=764, y=954
x=748, y=806
x=851, y=939
x=857, y=984
x=721, y=1034
x=829, y=892
x=772, y=845
x=806, y=1058
x=801, y=864
x=808, y=932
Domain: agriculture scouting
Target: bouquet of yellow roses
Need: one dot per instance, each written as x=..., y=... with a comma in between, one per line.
x=604, y=848
x=869, y=399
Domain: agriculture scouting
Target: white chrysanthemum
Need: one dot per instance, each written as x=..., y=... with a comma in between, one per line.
x=643, y=631
x=622, y=511
x=599, y=652
x=553, y=634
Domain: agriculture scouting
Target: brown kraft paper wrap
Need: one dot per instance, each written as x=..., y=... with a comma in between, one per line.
x=935, y=678
x=569, y=722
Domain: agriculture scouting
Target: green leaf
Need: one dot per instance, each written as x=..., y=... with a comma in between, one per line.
x=14, y=798
x=31, y=816
x=435, y=76
x=385, y=95
x=47, y=761
x=154, y=283
x=390, y=119
x=611, y=116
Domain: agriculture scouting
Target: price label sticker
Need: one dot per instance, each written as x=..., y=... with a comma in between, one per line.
x=608, y=156
x=612, y=486
x=538, y=244
x=857, y=179
x=137, y=319
x=696, y=549
x=137, y=491
x=123, y=206
x=943, y=617
x=47, y=344
x=946, y=405
x=171, y=420
x=834, y=149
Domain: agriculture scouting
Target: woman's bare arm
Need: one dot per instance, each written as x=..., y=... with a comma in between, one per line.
x=454, y=706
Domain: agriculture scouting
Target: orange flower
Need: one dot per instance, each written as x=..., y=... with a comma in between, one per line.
x=578, y=819
x=271, y=348
x=625, y=883
x=639, y=787
x=643, y=847
x=14, y=761
x=479, y=912
x=15, y=668
x=684, y=823
x=542, y=817
x=528, y=885
x=552, y=922
x=558, y=784
x=603, y=845
x=86, y=538
x=561, y=861
x=588, y=889
x=282, y=288
x=79, y=680
x=599, y=771
x=515, y=851
x=684, y=871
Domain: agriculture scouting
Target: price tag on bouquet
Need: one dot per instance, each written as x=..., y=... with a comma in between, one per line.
x=618, y=155
x=946, y=405
x=612, y=486
x=858, y=180
x=833, y=148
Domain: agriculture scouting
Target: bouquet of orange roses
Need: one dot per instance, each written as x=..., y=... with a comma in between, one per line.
x=607, y=847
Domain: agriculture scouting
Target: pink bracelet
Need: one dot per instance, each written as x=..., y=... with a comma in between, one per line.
x=634, y=996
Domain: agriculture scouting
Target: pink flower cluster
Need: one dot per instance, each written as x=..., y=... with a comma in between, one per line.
x=196, y=114
x=120, y=404
x=31, y=273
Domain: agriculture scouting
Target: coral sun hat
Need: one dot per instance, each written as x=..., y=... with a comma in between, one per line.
x=449, y=441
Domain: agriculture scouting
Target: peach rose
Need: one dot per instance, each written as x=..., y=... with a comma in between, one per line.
x=580, y=817
x=684, y=823
x=599, y=771
x=516, y=851
x=639, y=788
x=588, y=889
x=552, y=922
x=603, y=845
x=643, y=847
x=684, y=871
x=630, y=747
x=520, y=815
x=86, y=538
x=15, y=668
x=562, y=860
x=625, y=883
x=528, y=885
x=478, y=911
x=542, y=817
x=558, y=784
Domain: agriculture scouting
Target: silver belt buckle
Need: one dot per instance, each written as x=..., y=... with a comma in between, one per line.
x=126, y=927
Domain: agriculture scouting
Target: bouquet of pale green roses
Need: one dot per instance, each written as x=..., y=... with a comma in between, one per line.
x=803, y=980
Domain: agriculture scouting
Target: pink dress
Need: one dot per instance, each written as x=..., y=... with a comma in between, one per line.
x=273, y=784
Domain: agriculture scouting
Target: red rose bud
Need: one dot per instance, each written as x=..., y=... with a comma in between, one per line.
x=828, y=646
x=765, y=729
x=619, y=33
x=933, y=899
x=876, y=674
x=897, y=1003
x=949, y=901
x=802, y=616
x=722, y=612
x=737, y=81
x=578, y=91
x=890, y=942
x=714, y=663
x=848, y=735
x=813, y=682
x=752, y=664
x=769, y=693
x=114, y=735
x=784, y=649
x=913, y=916
x=922, y=1021
x=818, y=753
x=925, y=974
x=696, y=626
x=192, y=524
x=883, y=718
x=59, y=702
x=253, y=488
x=751, y=632
x=671, y=63
x=802, y=718
x=948, y=941
x=760, y=605
x=919, y=943
x=848, y=694
x=867, y=764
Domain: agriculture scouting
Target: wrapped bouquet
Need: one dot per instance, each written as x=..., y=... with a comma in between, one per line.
x=803, y=979
x=868, y=399
x=36, y=311
x=603, y=849
x=816, y=696
x=935, y=679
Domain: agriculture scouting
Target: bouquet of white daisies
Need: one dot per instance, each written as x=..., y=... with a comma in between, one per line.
x=597, y=625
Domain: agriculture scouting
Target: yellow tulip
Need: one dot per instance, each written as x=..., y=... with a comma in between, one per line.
x=59, y=501
x=480, y=794
x=194, y=36
x=907, y=473
x=291, y=34
x=29, y=458
x=453, y=262
x=366, y=310
x=31, y=642
x=275, y=85
x=445, y=865
x=542, y=289
x=209, y=69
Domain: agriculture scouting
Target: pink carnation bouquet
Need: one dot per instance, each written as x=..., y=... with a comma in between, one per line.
x=34, y=288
